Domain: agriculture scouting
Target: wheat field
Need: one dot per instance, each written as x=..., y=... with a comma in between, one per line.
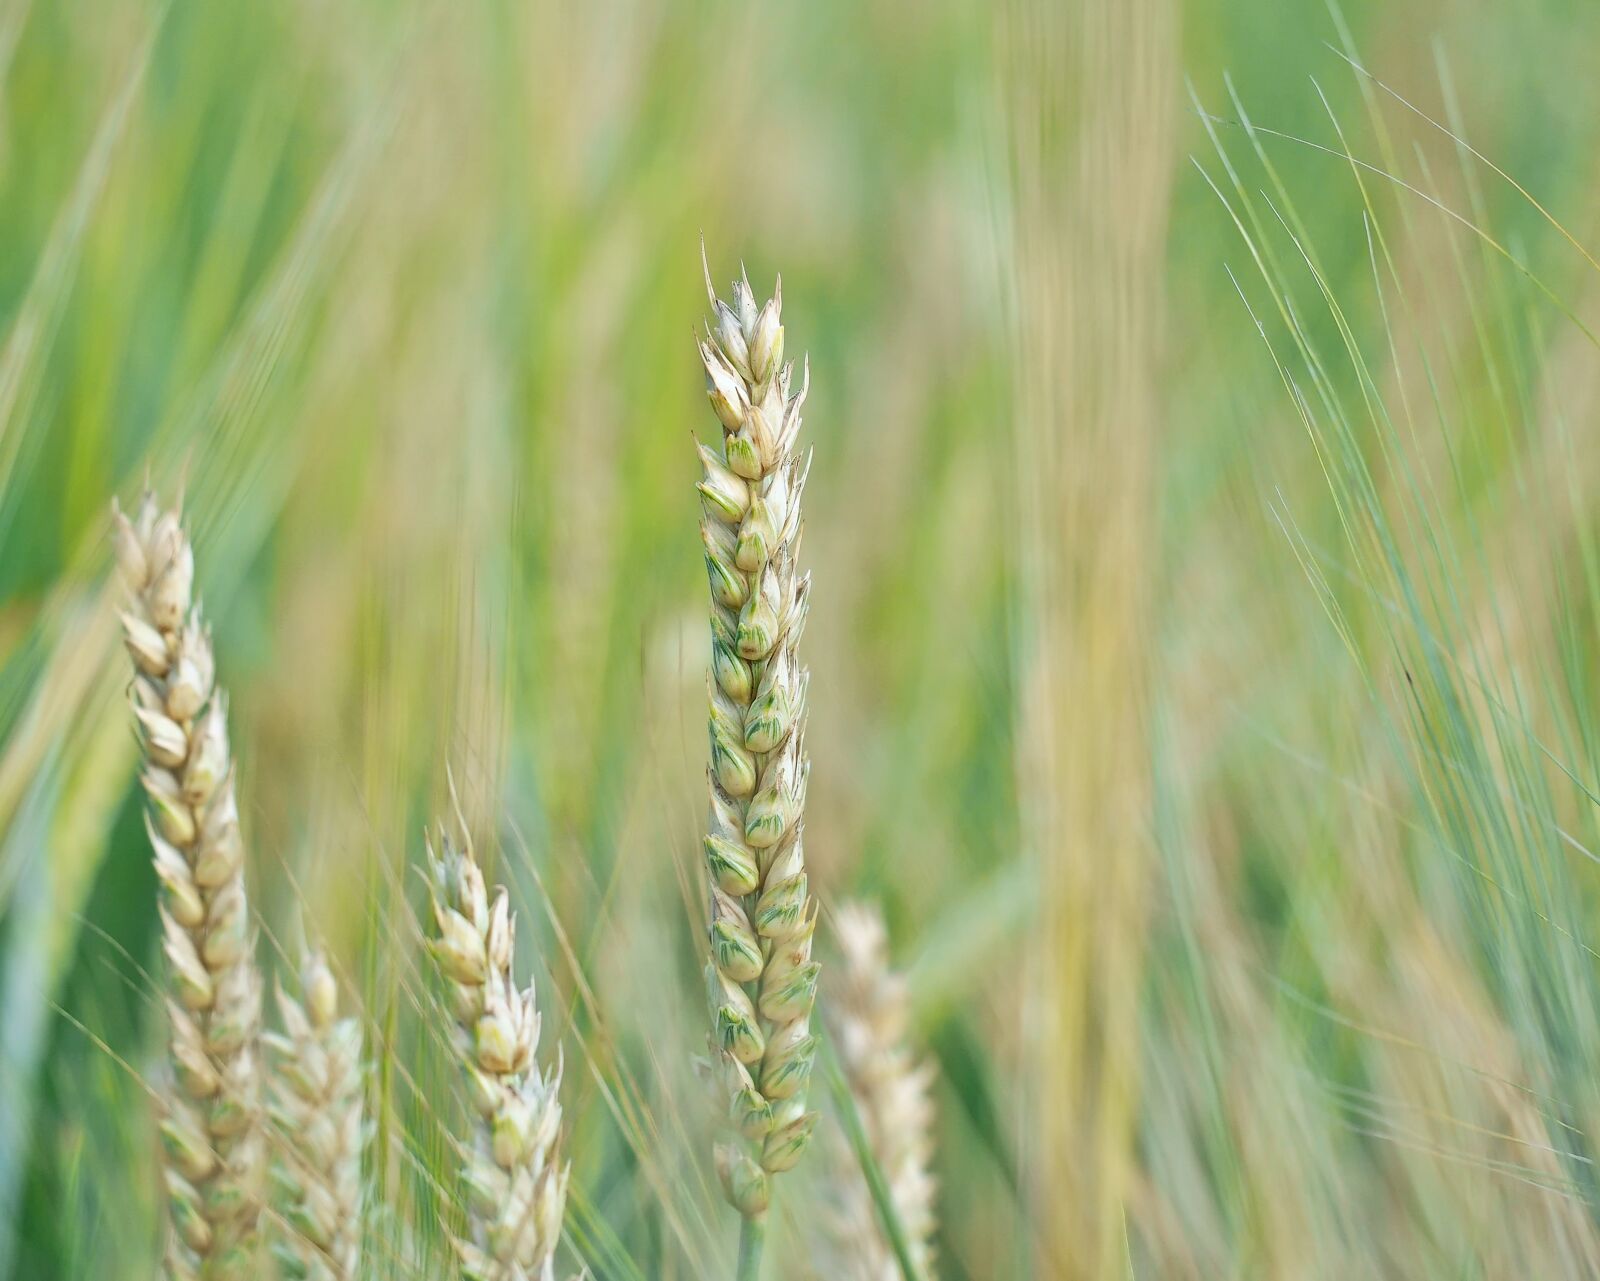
x=1194, y=733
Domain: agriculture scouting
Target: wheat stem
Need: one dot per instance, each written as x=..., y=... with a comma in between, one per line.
x=761, y=977
x=211, y=1131
x=752, y=1238
x=515, y=1178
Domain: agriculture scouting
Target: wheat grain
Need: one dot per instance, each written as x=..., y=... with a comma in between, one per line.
x=318, y=1113
x=870, y=1019
x=762, y=979
x=211, y=1131
x=515, y=1178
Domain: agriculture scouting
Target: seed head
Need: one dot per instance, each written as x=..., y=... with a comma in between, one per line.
x=211, y=1128
x=515, y=1178
x=318, y=1114
x=761, y=981
x=870, y=1024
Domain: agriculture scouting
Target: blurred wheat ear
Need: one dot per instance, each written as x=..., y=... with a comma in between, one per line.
x=762, y=979
x=515, y=1176
x=211, y=1130
x=882, y=1222
x=318, y=1112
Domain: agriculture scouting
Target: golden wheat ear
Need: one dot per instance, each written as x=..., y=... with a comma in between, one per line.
x=211, y=1130
x=514, y=1171
x=761, y=977
x=318, y=1113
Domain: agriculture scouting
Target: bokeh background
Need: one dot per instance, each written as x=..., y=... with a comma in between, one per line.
x=1205, y=587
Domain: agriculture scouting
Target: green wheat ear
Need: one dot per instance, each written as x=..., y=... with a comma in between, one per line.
x=211, y=1130
x=762, y=980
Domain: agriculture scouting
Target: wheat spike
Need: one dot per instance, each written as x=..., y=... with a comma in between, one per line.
x=761, y=977
x=515, y=1178
x=318, y=1113
x=211, y=1131
x=870, y=1019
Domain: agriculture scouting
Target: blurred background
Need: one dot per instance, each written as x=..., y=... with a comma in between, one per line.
x=1205, y=583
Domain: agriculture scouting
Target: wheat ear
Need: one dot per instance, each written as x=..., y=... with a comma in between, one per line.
x=211, y=1130
x=317, y=1110
x=761, y=977
x=515, y=1178
x=870, y=1020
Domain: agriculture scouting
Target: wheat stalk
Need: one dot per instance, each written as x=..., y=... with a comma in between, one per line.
x=870, y=1021
x=211, y=1131
x=516, y=1180
x=317, y=1110
x=761, y=977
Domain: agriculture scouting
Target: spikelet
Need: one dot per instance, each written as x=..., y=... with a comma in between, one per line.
x=317, y=1112
x=870, y=1019
x=516, y=1181
x=762, y=980
x=211, y=1131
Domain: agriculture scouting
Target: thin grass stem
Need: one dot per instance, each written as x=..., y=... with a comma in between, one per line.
x=752, y=1237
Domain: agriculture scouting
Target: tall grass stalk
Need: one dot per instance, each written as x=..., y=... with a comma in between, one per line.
x=1091, y=125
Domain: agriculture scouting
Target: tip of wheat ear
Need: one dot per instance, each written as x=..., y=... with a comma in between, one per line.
x=761, y=980
x=515, y=1176
x=210, y=1131
x=317, y=1110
